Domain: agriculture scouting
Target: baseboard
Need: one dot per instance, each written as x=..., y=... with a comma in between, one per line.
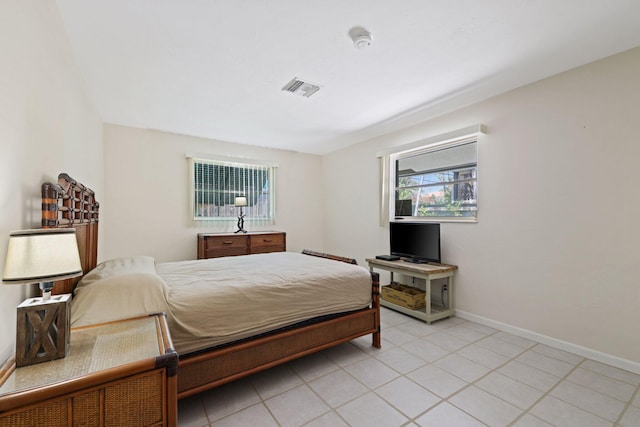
x=608, y=359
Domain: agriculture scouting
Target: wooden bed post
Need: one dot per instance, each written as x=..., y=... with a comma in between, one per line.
x=375, y=304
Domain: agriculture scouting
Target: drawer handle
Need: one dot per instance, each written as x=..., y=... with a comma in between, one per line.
x=227, y=242
x=267, y=240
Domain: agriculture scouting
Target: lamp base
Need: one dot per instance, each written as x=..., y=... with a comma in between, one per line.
x=240, y=223
x=42, y=330
x=46, y=288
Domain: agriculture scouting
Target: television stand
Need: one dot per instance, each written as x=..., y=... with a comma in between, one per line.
x=428, y=272
x=415, y=260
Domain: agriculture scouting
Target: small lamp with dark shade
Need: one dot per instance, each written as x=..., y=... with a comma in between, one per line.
x=240, y=202
x=42, y=256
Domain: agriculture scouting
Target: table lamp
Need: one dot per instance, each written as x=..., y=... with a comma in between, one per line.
x=241, y=201
x=42, y=256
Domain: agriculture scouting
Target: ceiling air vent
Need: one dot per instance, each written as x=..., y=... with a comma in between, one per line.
x=300, y=87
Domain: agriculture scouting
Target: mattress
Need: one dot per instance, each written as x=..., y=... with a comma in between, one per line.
x=216, y=301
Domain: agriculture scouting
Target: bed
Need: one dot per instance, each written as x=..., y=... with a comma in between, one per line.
x=207, y=360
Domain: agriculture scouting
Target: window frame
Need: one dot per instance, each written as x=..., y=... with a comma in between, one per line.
x=451, y=140
x=232, y=213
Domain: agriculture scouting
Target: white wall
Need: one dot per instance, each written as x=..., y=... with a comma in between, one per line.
x=557, y=247
x=145, y=206
x=47, y=126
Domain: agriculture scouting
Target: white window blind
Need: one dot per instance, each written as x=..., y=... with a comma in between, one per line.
x=216, y=184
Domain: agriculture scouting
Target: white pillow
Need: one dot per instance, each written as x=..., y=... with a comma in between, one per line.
x=118, y=289
x=117, y=267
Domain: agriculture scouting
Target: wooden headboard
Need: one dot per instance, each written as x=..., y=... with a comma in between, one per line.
x=69, y=204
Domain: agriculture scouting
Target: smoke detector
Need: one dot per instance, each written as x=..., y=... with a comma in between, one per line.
x=301, y=87
x=361, y=38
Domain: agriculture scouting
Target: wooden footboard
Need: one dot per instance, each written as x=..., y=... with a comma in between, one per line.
x=204, y=371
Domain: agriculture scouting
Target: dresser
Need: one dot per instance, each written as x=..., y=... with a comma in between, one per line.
x=117, y=374
x=215, y=245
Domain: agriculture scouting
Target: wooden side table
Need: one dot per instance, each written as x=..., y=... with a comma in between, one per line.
x=428, y=272
x=115, y=374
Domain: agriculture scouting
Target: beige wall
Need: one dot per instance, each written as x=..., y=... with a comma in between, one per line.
x=46, y=127
x=145, y=207
x=556, y=248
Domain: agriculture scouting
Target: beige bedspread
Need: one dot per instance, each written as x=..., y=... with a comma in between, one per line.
x=216, y=301
x=224, y=299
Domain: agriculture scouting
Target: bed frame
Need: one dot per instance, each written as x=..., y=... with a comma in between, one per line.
x=69, y=204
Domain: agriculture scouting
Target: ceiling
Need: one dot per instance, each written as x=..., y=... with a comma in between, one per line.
x=216, y=68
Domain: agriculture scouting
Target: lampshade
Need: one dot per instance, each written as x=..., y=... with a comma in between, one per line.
x=43, y=255
x=241, y=201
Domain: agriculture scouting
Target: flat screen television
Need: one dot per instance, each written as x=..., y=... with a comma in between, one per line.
x=415, y=241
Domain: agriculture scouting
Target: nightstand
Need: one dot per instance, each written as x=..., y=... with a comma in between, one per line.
x=116, y=374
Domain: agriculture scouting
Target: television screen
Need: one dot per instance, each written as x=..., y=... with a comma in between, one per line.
x=415, y=241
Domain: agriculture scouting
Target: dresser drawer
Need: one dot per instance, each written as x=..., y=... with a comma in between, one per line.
x=226, y=242
x=262, y=240
x=225, y=252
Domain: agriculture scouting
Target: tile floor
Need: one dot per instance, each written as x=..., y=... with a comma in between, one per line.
x=451, y=373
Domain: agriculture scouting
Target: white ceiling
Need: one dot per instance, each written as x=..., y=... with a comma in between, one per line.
x=215, y=68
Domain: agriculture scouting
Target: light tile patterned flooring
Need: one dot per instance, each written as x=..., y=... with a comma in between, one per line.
x=451, y=373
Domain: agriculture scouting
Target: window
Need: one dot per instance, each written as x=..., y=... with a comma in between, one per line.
x=216, y=184
x=435, y=180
